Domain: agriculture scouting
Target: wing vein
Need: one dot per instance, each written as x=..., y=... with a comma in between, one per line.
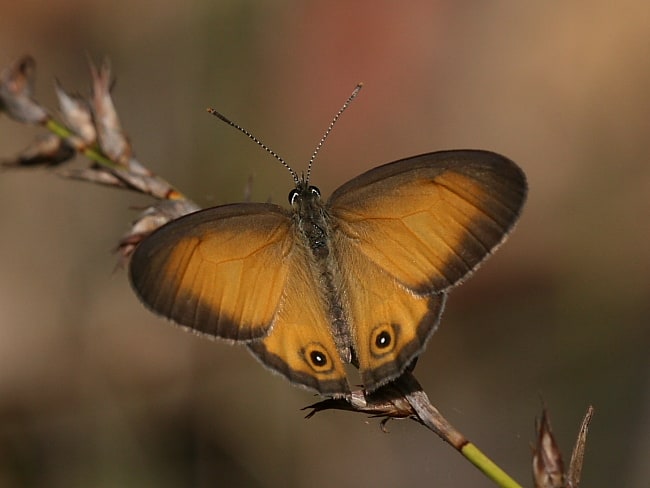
x=476, y=208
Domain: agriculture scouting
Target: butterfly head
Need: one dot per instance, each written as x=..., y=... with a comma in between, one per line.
x=303, y=194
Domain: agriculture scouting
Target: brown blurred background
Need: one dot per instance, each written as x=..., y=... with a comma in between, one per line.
x=96, y=391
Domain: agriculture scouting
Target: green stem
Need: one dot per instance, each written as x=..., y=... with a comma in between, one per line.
x=474, y=455
x=91, y=153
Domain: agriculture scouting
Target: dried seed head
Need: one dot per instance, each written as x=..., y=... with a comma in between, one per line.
x=548, y=468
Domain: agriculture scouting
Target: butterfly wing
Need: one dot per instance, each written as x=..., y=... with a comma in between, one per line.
x=240, y=272
x=412, y=229
x=218, y=271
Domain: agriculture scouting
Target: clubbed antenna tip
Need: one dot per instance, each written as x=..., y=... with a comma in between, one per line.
x=352, y=96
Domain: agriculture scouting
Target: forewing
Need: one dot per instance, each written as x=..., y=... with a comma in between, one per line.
x=220, y=271
x=430, y=220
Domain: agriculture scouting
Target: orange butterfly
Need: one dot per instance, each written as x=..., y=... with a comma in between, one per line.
x=360, y=278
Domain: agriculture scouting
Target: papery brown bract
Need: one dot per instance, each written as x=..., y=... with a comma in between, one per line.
x=77, y=116
x=16, y=90
x=46, y=150
x=548, y=467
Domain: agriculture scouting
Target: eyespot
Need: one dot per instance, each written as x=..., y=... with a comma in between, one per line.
x=293, y=194
x=383, y=339
x=314, y=190
x=317, y=358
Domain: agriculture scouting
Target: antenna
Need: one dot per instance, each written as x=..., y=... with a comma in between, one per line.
x=296, y=180
x=257, y=141
x=354, y=93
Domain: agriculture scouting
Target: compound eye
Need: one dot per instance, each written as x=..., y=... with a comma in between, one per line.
x=293, y=196
x=315, y=191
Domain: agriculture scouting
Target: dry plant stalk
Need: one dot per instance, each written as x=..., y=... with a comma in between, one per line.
x=90, y=127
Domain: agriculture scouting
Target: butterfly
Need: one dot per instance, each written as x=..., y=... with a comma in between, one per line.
x=360, y=278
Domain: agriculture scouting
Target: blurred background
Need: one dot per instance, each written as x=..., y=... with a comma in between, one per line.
x=96, y=391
